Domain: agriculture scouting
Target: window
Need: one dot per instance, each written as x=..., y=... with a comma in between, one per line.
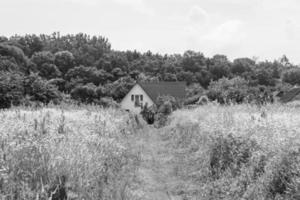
x=141, y=97
x=137, y=101
x=132, y=97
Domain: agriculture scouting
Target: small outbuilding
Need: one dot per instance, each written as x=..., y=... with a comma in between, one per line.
x=147, y=93
x=291, y=95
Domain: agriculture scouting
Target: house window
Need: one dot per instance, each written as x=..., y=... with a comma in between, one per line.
x=141, y=97
x=132, y=97
x=137, y=101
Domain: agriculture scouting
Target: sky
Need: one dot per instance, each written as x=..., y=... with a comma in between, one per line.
x=262, y=29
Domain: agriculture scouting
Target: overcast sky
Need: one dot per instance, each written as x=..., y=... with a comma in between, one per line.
x=266, y=29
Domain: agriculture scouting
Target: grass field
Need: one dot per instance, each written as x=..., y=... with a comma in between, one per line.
x=210, y=152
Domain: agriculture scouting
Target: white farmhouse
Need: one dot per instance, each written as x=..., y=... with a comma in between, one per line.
x=147, y=93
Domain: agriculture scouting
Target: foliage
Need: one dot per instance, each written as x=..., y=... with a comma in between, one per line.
x=84, y=93
x=64, y=60
x=59, y=154
x=11, y=89
x=118, y=89
x=228, y=90
x=234, y=152
x=70, y=61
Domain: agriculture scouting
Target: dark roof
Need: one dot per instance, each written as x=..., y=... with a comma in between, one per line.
x=154, y=90
x=289, y=95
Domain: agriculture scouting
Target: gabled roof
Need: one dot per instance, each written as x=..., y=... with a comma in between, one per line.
x=154, y=90
x=289, y=95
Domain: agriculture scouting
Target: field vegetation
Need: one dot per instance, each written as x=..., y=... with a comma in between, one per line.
x=79, y=152
x=209, y=152
x=236, y=152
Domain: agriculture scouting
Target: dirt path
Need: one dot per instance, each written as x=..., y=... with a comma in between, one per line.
x=154, y=176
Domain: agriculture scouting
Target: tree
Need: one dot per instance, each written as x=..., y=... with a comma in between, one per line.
x=193, y=61
x=64, y=60
x=29, y=43
x=170, y=77
x=242, y=65
x=11, y=89
x=119, y=88
x=8, y=64
x=42, y=57
x=204, y=78
x=219, y=67
x=189, y=77
x=14, y=52
x=264, y=77
x=40, y=90
x=88, y=75
x=284, y=61
x=49, y=71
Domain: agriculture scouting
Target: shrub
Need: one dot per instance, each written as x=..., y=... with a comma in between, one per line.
x=148, y=114
x=165, y=106
x=84, y=93
x=228, y=90
x=108, y=102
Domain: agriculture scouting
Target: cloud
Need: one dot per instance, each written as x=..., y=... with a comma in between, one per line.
x=227, y=32
x=292, y=30
x=197, y=15
x=217, y=38
x=137, y=5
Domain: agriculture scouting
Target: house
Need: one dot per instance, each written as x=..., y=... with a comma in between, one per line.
x=277, y=95
x=291, y=95
x=147, y=93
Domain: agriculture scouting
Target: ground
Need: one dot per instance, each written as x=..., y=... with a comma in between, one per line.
x=154, y=179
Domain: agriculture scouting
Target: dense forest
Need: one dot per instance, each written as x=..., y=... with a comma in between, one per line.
x=83, y=68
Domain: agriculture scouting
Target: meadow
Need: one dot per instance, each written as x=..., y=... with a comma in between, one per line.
x=236, y=152
x=209, y=152
x=49, y=152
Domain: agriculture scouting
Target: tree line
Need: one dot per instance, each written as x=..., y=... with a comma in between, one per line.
x=54, y=68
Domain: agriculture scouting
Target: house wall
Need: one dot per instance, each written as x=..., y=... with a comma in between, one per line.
x=128, y=104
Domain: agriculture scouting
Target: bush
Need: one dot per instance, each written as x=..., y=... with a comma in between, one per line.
x=165, y=106
x=148, y=114
x=108, y=102
x=159, y=112
x=228, y=90
x=84, y=93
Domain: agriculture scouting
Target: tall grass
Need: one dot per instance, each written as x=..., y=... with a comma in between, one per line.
x=81, y=152
x=236, y=152
x=87, y=152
